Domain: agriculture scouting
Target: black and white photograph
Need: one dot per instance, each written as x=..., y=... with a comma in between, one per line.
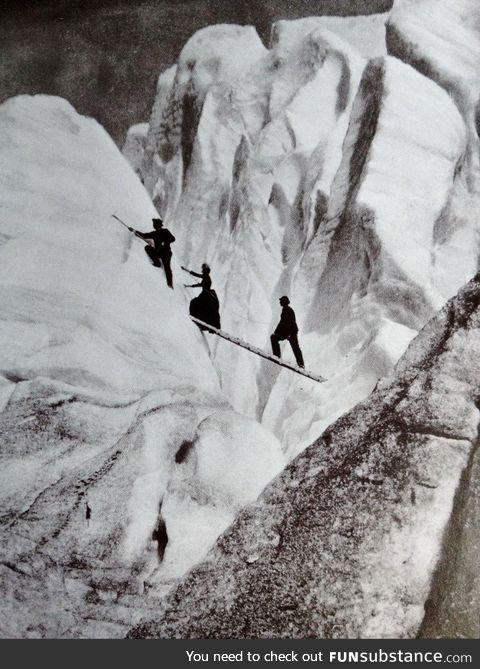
x=240, y=319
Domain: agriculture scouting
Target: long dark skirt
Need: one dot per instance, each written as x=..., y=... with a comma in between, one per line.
x=206, y=307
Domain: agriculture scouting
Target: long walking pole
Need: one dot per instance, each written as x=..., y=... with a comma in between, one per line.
x=122, y=222
x=144, y=241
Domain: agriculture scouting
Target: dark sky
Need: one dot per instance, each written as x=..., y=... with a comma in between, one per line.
x=105, y=56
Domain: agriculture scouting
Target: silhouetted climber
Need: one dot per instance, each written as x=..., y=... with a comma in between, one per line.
x=206, y=306
x=160, y=253
x=287, y=329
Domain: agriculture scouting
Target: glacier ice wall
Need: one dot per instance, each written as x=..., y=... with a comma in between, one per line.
x=348, y=184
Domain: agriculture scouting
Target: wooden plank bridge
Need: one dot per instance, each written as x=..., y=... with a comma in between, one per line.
x=258, y=351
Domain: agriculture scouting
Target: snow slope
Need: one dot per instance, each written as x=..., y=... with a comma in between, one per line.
x=104, y=382
x=346, y=541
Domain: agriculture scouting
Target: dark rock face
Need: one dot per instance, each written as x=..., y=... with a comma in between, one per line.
x=99, y=54
x=352, y=538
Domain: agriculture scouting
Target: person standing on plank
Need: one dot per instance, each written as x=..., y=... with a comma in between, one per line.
x=287, y=329
x=206, y=306
x=160, y=253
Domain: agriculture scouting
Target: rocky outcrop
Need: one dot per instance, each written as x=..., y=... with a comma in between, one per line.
x=347, y=540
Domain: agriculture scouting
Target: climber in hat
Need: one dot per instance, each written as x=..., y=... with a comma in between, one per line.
x=287, y=329
x=160, y=253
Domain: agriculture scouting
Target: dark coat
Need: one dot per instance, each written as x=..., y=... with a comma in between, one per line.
x=287, y=325
x=162, y=239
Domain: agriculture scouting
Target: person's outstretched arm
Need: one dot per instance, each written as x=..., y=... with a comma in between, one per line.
x=194, y=285
x=143, y=235
x=191, y=272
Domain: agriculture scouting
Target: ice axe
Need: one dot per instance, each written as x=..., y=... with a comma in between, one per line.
x=146, y=241
x=122, y=222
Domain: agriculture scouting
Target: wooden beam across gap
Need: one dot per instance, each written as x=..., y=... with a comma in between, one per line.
x=258, y=351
